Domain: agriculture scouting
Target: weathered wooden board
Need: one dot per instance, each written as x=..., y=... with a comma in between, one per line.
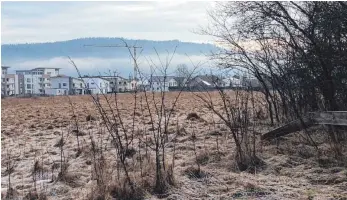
x=336, y=118
x=330, y=118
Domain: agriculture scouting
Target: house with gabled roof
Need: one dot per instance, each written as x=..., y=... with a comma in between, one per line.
x=202, y=82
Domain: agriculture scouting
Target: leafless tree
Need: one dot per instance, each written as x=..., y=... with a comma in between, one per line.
x=292, y=50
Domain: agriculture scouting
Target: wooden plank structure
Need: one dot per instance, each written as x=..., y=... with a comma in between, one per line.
x=335, y=118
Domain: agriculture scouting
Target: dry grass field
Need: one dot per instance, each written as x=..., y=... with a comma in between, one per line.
x=31, y=131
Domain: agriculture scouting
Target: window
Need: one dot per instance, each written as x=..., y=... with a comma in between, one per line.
x=64, y=84
x=157, y=88
x=59, y=85
x=28, y=80
x=28, y=86
x=49, y=73
x=3, y=80
x=125, y=83
x=41, y=79
x=80, y=84
x=93, y=83
x=58, y=91
x=7, y=80
x=120, y=83
x=73, y=85
x=111, y=82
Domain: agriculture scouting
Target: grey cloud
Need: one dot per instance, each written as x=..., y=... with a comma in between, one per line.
x=139, y=20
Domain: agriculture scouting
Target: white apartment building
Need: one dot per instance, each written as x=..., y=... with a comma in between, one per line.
x=36, y=80
x=65, y=85
x=118, y=83
x=96, y=85
x=9, y=82
x=161, y=83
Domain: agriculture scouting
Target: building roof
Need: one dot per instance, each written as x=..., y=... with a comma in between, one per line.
x=205, y=80
x=91, y=77
x=23, y=70
x=179, y=79
x=77, y=78
x=60, y=76
x=46, y=68
x=10, y=75
x=160, y=79
x=113, y=77
x=5, y=67
x=209, y=78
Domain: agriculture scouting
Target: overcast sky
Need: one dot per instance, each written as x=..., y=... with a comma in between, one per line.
x=27, y=22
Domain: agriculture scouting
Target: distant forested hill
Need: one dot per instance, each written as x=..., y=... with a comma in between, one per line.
x=93, y=60
x=76, y=48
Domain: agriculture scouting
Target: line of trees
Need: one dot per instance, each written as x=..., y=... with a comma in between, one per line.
x=296, y=50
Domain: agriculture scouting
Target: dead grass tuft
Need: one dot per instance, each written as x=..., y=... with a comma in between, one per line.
x=203, y=158
x=90, y=118
x=216, y=133
x=59, y=143
x=192, y=116
x=78, y=132
x=130, y=152
x=11, y=194
x=251, y=191
x=32, y=195
x=195, y=173
x=69, y=179
x=249, y=164
x=123, y=191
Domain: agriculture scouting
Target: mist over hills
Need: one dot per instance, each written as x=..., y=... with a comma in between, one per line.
x=93, y=59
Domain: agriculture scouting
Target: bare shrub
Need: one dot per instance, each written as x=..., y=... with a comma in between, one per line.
x=33, y=195
x=237, y=112
x=123, y=190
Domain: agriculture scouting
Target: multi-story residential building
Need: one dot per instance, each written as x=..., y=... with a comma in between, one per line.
x=9, y=82
x=161, y=83
x=36, y=80
x=118, y=83
x=3, y=80
x=4, y=70
x=65, y=85
x=96, y=85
